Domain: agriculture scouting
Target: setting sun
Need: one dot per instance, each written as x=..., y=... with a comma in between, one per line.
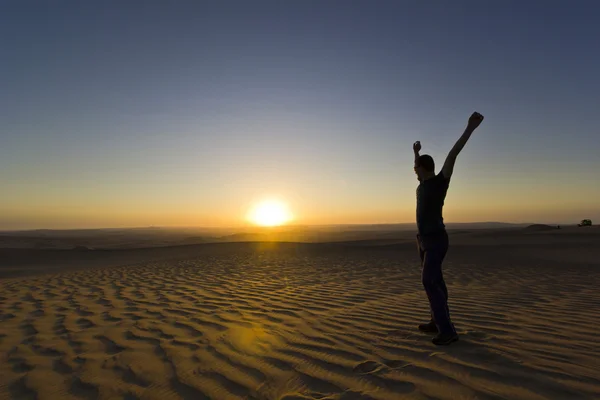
x=270, y=213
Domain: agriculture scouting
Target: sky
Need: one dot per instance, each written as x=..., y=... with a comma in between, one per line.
x=187, y=113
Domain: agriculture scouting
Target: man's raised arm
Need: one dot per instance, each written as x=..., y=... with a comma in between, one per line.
x=474, y=122
x=416, y=150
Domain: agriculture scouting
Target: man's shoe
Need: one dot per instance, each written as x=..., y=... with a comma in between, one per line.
x=444, y=339
x=429, y=327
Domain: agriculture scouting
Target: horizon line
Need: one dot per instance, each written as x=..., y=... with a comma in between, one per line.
x=270, y=227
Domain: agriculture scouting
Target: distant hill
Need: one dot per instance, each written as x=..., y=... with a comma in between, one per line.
x=482, y=225
x=162, y=237
x=540, y=227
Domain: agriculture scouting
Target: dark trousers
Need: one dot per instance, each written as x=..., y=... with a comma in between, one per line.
x=433, y=249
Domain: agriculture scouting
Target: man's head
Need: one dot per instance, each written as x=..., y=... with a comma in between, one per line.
x=424, y=167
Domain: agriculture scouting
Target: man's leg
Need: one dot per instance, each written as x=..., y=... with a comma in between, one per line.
x=421, y=251
x=429, y=327
x=445, y=290
x=435, y=287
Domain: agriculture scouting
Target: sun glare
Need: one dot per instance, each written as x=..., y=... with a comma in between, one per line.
x=270, y=213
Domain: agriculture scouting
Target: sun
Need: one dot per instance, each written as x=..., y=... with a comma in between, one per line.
x=270, y=213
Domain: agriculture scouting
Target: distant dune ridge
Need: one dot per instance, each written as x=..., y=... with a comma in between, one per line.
x=303, y=321
x=164, y=237
x=541, y=227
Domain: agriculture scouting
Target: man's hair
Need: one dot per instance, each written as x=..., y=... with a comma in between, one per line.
x=426, y=162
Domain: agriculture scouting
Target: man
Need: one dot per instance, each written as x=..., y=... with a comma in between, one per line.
x=432, y=238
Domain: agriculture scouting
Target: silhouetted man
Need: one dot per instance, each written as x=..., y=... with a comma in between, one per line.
x=432, y=238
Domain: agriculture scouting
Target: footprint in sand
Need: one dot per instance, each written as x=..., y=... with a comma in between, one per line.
x=367, y=367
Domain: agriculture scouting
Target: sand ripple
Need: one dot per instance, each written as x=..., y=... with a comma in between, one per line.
x=282, y=326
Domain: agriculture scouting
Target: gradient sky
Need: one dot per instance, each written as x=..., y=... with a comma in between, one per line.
x=139, y=113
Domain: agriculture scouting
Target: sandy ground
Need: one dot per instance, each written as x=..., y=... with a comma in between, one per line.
x=288, y=321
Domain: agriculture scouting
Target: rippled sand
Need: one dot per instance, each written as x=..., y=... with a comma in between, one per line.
x=336, y=323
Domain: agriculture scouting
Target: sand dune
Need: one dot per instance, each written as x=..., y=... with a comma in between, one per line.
x=303, y=322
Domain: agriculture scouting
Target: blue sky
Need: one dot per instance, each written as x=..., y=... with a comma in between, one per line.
x=185, y=113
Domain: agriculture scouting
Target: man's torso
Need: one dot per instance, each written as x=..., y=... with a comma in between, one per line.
x=431, y=194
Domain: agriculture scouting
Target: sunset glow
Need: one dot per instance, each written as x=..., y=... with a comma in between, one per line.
x=199, y=114
x=270, y=213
